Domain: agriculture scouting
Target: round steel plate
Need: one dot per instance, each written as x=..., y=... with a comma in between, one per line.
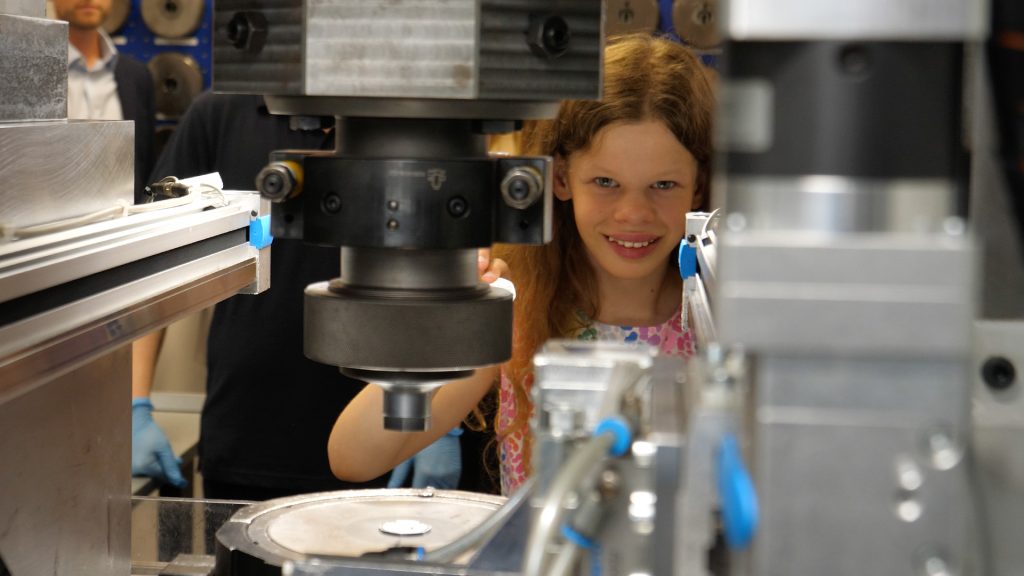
x=696, y=22
x=176, y=81
x=628, y=17
x=352, y=523
x=172, y=18
x=117, y=15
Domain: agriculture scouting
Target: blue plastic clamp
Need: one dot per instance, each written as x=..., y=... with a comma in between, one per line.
x=737, y=495
x=687, y=260
x=259, y=232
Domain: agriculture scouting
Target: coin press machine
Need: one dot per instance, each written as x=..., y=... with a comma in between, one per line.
x=854, y=408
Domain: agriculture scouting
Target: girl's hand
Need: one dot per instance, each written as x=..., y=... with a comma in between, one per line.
x=490, y=269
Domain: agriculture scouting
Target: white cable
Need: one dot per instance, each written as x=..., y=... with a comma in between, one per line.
x=51, y=227
x=712, y=216
x=579, y=465
x=198, y=189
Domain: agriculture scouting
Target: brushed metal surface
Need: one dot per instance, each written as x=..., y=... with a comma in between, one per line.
x=34, y=68
x=55, y=170
x=438, y=49
x=426, y=49
x=65, y=416
x=832, y=438
x=99, y=321
x=881, y=294
x=32, y=8
x=66, y=445
x=34, y=264
x=864, y=20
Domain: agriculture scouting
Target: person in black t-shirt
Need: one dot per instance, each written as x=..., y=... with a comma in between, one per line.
x=269, y=410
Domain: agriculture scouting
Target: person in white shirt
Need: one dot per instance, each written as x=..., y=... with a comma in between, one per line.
x=106, y=85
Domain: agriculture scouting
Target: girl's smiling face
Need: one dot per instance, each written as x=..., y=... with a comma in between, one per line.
x=631, y=190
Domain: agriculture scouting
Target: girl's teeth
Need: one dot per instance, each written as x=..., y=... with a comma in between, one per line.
x=628, y=244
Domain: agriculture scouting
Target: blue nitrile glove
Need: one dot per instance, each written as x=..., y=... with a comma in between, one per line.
x=151, y=452
x=438, y=465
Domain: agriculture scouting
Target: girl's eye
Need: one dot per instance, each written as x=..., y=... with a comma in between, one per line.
x=664, y=185
x=604, y=182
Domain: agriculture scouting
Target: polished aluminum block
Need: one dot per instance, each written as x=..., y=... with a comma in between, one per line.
x=867, y=19
x=34, y=68
x=57, y=170
x=852, y=294
x=66, y=444
x=860, y=466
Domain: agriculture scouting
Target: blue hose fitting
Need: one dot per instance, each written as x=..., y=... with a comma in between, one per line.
x=619, y=428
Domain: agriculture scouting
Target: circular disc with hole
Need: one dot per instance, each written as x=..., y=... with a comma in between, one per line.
x=629, y=16
x=696, y=22
x=172, y=18
x=176, y=81
x=117, y=16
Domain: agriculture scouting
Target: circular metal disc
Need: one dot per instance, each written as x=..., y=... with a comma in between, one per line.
x=117, y=15
x=176, y=81
x=351, y=523
x=696, y=22
x=629, y=16
x=172, y=18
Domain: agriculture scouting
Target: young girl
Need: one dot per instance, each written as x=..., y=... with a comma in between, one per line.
x=627, y=169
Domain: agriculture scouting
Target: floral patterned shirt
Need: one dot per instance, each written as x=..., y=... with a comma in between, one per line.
x=670, y=338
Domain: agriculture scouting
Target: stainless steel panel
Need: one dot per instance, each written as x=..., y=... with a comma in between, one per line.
x=64, y=491
x=861, y=466
x=846, y=294
x=56, y=170
x=853, y=19
x=999, y=459
x=34, y=264
x=30, y=8
x=992, y=217
x=34, y=67
x=835, y=204
x=424, y=49
x=100, y=321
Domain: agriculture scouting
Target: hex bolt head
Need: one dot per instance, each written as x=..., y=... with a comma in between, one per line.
x=998, y=373
x=247, y=31
x=458, y=207
x=549, y=36
x=275, y=182
x=331, y=203
x=522, y=186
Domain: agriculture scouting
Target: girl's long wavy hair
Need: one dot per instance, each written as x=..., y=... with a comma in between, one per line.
x=645, y=78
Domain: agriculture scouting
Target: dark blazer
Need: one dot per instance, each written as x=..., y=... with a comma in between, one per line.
x=138, y=103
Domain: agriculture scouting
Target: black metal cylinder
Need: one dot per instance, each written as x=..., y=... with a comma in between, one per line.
x=412, y=138
x=856, y=109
